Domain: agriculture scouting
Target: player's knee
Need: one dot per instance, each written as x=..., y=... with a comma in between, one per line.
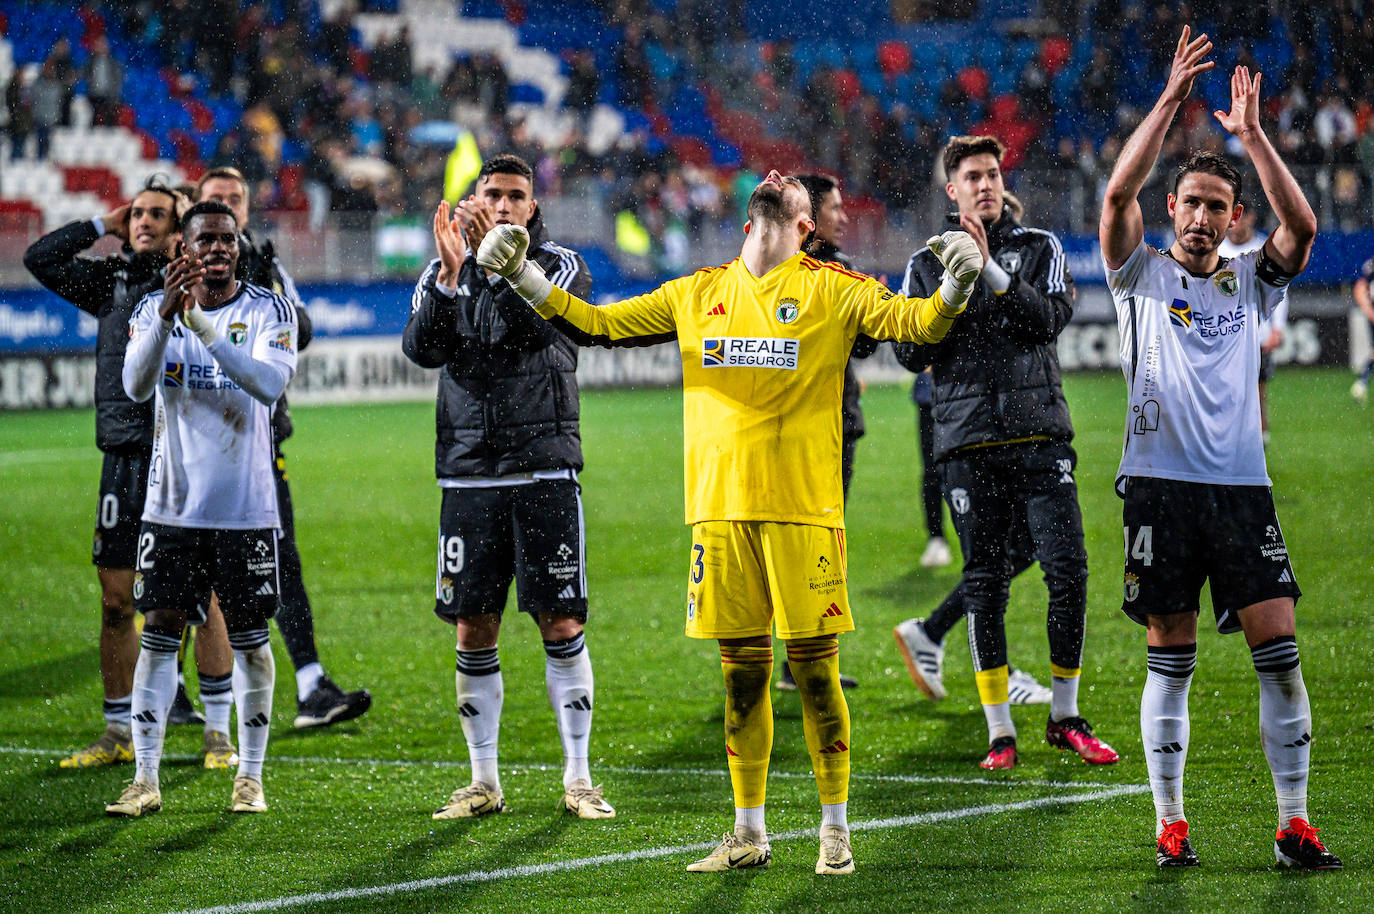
x=116, y=614
x=558, y=626
x=479, y=632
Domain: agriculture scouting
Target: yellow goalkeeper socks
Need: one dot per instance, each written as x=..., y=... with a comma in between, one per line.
x=748, y=720
x=815, y=664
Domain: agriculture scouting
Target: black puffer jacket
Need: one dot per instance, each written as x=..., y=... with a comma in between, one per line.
x=508, y=399
x=107, y=288
x=996, y=373
x=260, y=265
x=851, y=410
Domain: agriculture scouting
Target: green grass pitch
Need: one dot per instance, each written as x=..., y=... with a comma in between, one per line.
x=350, y=806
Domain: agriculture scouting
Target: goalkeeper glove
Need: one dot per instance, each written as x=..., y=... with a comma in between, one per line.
x=503, y=251
x=962, y=261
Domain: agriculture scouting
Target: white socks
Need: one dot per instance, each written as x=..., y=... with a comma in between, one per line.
x=568, y=675
x=835, y=814
x=217, y=695
x=155, y=685
x=1285, y=723
x=1064, y=697
x=480, y=696
x=749, y=819
x=254, y=676
x=307, y=677
x=1164, y=726
x=999, y=721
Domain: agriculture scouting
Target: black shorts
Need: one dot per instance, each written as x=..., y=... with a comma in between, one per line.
x=178, y=567
x=1179, y=534
x=531, y=533
x=123, y=484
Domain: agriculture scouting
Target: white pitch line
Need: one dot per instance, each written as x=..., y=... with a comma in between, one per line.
x=517, y=768
x=563, y=866
x=44, y=455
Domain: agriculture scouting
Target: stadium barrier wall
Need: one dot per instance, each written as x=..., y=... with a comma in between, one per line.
x=47, y=356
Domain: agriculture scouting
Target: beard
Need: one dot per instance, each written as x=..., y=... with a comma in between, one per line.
x=766, y=204
x=1198, y=246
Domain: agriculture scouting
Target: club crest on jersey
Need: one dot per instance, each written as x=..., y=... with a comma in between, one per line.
x=1226, y=282
x=789, y=309
x=138, y=585
x=1009, y=260
x=1181, y=313
x=174, y=374
x=446, y=591
x=238, y=333
x=750, y=352
x=1131, y=587
x=959, y=501
x=691, y=606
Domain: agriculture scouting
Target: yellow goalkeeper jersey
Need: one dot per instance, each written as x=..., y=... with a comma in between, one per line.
x=762, y=374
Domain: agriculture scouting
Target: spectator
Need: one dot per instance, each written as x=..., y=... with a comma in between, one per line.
x=20, y=114
x=45, y=98
x=104, y=84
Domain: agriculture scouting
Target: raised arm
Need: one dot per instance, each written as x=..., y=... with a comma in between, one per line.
x=151, y=325
x=1291, y=243
x=1122, y=226
x=503, y=251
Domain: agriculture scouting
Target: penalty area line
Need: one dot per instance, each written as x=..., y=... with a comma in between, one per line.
x=653, y=853
x=517, y=768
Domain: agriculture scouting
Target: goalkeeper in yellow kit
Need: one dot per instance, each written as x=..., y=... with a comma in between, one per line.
x=764, y=340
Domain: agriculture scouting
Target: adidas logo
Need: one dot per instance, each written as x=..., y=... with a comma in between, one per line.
x=832, y=610
x=1170, y=749
x=266, y=589
x=834, y=748
x=467, y=710
x=147, y=717
x=1286, y=577
x=257, y=720
x=580, y=703
x=1300, y=741
x=567, y=593
x=717, y=311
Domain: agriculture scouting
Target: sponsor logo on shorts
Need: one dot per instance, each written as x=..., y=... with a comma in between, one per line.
x=823, y=564
x=238, y=333
x=789, y=309
x=1131, y=587
x=566, y=565
x=959, y=501
x=1226, y=282
x=750, y=352
x=262, y=561
x=446, y=591
x=138, y=585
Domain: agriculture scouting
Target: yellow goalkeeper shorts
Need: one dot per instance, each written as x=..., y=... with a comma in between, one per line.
x=747, y=577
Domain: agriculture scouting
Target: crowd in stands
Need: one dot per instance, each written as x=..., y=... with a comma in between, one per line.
x=318, y=121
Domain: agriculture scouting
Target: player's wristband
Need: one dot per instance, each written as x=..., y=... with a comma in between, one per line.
x=530, y=283
x=954, y=294
x=997, y=278
x=194, y=318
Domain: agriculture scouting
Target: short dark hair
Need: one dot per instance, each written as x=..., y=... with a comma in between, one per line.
x=208, y=208
x=961, y=147
x=157, y=183
x=507, y=164
x=817, y=186
x=1209, y=163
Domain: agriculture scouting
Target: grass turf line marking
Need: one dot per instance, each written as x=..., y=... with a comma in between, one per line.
x=43, y=455
x=563, y=866
x=517, y=768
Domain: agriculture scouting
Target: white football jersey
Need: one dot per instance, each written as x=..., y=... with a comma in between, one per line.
x=211, y=464
x=1190, y=353
x=1278, y=318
